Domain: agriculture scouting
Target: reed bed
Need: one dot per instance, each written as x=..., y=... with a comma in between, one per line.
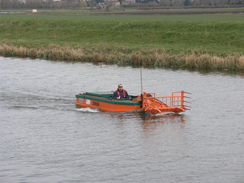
x=194, y=60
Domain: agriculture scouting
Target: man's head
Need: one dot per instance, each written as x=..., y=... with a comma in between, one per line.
x=120, y=87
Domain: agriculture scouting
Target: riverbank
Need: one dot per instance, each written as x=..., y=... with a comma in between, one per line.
x=137, y=40
x=146, y=58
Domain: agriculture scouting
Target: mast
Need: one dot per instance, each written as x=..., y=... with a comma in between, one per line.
x=141, y=81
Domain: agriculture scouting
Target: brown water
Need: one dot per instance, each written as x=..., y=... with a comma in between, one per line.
x=45, y=138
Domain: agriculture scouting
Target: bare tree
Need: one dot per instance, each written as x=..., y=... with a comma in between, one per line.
x=5, y=4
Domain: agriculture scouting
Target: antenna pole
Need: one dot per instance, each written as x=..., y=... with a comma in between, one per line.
x=141, y=81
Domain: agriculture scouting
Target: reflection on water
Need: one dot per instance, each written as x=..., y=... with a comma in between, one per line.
x=165, y=118
x=150, y=123
x=153, y=121
x=211, y=72
x=147, y=118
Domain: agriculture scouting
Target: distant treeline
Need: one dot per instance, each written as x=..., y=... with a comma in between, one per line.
x=77, y=4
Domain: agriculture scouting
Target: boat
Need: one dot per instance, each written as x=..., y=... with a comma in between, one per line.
x=148, y=102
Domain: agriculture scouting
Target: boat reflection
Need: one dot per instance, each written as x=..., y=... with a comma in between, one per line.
x=148, y=119
x=166, y=122
x=153, y=125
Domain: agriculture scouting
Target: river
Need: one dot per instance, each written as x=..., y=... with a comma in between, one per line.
x=45, y=138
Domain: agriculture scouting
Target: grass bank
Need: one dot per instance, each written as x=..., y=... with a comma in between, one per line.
x=153, y=41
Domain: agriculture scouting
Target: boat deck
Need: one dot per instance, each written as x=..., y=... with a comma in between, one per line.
x=107, y=97
x=100, y=94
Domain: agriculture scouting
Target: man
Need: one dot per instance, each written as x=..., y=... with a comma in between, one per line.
x=120, y=93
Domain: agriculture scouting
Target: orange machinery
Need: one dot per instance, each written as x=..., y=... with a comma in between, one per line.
x=175, y=103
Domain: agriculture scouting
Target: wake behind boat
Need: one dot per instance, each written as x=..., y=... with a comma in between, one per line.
x=148, y=102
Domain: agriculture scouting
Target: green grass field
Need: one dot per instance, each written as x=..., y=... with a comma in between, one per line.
x=214, y=34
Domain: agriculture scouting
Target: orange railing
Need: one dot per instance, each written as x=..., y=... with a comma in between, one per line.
x=174, y=103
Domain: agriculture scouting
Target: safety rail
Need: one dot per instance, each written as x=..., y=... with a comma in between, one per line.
x=178, y=99
x=175, y=103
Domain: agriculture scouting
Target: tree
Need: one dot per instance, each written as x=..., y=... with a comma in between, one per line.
x=187, y=3
x=91, y=3
x=5, y=4
x=83, y=4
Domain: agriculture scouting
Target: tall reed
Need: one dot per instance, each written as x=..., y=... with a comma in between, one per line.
x=146, y=58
